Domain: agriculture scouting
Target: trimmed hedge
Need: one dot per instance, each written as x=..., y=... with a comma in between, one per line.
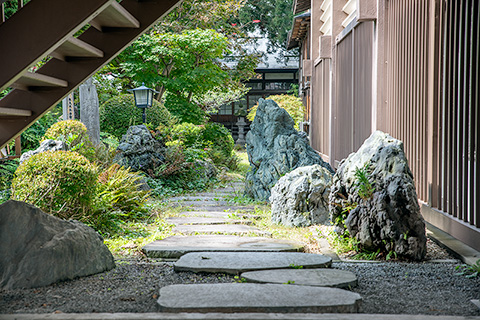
x=120, y=112
x=62, y=183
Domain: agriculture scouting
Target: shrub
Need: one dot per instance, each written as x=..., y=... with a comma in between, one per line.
x=74, y=134
x=120, y=112
x=187, y=134
x=61, y=183
x=213, y=137
x=293, y=105
x=220, y=138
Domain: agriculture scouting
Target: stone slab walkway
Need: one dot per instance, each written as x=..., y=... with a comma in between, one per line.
x=205, y=220
x=224, y=229
x=252, y=297
x=227, y=316
x=238, y=262
x=177, y=246
x=307, y=277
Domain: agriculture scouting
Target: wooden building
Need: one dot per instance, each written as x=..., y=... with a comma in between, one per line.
x=274, y=75
x=409, y=68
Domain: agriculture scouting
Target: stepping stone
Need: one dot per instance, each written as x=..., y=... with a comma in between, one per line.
x=177, y=246
x=254, y=297
x=206, y=214
x=230, y=209
x=307, y=277
x=195, y=198
x=209, y=203
x=233, y=229
x=204, y=220
x=238, y=262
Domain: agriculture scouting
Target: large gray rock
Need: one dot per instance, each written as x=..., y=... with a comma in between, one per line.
x=275, y=148
x=300, y=198
x=389, y=219
x=45, y=145
x=139, y=150
x=37, y=249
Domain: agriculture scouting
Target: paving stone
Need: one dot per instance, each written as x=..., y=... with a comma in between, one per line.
x=238, y=262
x=224, y=208
x=254, y=297
x=234, y=229
x=196, y=198
x=206, y=214
x=204, y=203
x=176, y=246
x=204, y=220
x=323, y=277
x=228, y=316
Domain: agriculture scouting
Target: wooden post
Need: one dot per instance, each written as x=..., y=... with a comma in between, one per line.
x=18, y=146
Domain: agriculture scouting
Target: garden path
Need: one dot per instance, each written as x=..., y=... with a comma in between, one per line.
x=214, y=236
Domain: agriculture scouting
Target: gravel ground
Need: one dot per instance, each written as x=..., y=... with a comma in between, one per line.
x=386, y=287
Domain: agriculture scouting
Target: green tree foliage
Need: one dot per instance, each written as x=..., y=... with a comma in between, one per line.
x=273, y=17
x=184, y=65
x=212, y=14
x=120, y=112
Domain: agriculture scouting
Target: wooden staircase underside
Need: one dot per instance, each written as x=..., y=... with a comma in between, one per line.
x=46, y=28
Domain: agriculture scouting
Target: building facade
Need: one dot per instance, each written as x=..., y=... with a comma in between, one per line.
x=275, y=74
x=406, y=67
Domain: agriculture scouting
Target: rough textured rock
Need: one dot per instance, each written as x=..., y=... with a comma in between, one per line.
x=139, y=150
x=46, y=145
x=390, y=218
x=37, y=249
x=300, y=198
x=274, y=148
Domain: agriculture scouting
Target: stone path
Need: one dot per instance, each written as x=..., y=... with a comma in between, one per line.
x=213, y=237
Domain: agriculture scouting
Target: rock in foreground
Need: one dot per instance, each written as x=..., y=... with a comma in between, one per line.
x=384, y=212
x=37, y=249
x=275, y=148
x=300, y=198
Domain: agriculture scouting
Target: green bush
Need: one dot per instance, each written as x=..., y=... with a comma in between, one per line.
x=120, y=112
x=61, y=183
x=187, y=134
x=212, y=137
x=74, y=134
x=293, y=105
x=220, y=138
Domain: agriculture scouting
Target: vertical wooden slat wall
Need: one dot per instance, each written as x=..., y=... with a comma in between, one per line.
x=459, y=187
x=344, y=98
x=320, y=113
x=354, y=90
x=406, y=71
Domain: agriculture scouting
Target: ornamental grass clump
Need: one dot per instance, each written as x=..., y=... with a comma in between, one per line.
x=61, y=183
